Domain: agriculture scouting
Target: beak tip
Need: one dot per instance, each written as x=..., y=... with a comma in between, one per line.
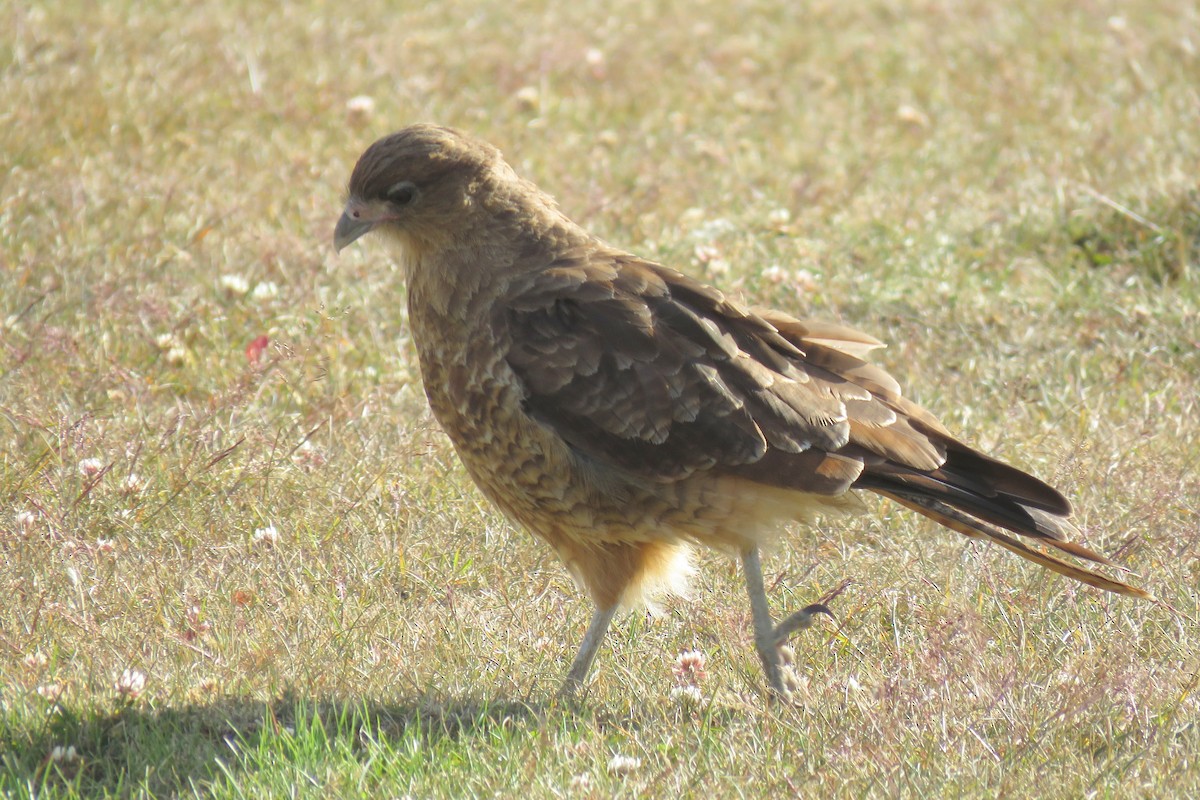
x=348, y=230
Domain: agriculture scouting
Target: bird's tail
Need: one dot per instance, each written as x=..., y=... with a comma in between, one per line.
x=983, y=498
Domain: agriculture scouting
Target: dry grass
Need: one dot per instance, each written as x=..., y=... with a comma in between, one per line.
x=287, y=549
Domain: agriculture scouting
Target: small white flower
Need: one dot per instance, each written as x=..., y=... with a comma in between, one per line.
x=623, y=765
x=704, y=253
x=686, y=695
x=176, y=356
x=130, y=683
x=805, y=280
x=265, y=290
x=166, y=341
x=36, y=660
x=133, y=483
x=779, y=216
x=50, y=691
x=235, y=284
x=911, y=115
x=105, y=546
x=710, y=229
x=268, y=535
x=709, y=257
x=60, y=753
x=25, y=521
x=360, y=108
x=90, y=467
x=582, y=781
x=774, y=274
x=528, y=98
x=718, y=266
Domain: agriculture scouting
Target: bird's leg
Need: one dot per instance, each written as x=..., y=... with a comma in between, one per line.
x=771, y=639
x=764, y=629
x=588, y=648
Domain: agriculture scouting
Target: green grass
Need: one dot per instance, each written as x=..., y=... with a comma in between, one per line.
x=1005, y=192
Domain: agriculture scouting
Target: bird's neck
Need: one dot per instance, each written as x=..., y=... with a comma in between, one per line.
x=462, y=273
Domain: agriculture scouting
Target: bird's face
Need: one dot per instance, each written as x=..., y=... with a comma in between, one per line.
x=364, y=214
x=408, y=183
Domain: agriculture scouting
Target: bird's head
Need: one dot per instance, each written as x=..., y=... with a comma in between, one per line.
x=412, y=183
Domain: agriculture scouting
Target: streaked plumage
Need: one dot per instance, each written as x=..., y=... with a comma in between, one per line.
x=622, y=411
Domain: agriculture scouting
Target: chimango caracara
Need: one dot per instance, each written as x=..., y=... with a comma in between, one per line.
x=623, y=412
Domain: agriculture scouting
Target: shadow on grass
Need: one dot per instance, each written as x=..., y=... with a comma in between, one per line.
x=180, y=751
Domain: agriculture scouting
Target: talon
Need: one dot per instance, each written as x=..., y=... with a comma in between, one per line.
x=799, y=621
x=788, y=676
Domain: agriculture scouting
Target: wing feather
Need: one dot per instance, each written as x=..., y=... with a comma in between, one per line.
x=648, y=372
x=636, y=364
x=640, y=365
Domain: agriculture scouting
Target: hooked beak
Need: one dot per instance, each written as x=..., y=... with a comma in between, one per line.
x=351, y=226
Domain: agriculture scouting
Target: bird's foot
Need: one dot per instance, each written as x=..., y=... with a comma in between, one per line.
x=779, y=657
x=779, y=666
x=799, y=621
x=788, y=677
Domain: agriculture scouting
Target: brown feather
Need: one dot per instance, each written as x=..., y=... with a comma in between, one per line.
x=959, y=522
x=619, y=409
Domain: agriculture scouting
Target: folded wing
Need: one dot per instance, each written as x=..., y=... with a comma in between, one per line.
x=641, y=369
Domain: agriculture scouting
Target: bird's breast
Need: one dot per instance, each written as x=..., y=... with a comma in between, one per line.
x=521, y=465
x=477, y=400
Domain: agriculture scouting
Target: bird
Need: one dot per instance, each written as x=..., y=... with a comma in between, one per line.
x=626, y=414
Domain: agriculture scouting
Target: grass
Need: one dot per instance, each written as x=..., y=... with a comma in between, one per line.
x=284, y=545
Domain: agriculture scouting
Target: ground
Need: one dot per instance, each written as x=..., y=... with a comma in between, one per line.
x=240, y=560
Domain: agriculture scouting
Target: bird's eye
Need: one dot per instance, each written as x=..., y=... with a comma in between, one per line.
x=401, y=193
